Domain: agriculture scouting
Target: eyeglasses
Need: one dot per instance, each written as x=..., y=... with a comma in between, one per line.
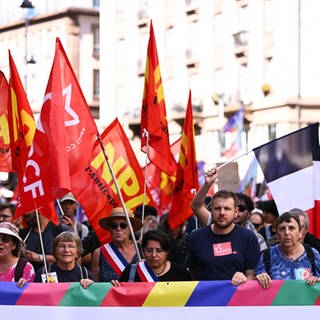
x=115, y=225
x=149, y=251
x=63, y=247
x=5, y=239
x=241, y=207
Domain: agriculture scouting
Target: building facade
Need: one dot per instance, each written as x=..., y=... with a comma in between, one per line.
x=30, y=33
x=259, y=54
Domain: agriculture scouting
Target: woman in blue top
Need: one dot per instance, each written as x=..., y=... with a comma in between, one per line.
x=289, y=259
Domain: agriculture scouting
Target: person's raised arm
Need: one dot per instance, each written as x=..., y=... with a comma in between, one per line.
x=198, y=202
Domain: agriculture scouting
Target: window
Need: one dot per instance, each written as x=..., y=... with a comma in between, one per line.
x=96, y=40
x=96, y=84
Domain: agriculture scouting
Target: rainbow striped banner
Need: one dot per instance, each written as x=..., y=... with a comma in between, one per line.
x=161, y=294
x=161, y=300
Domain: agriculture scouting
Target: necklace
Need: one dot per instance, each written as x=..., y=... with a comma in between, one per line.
x=162, y=271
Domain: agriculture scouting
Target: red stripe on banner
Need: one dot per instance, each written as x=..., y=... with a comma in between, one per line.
x=128, y=295
x=34, y=293
x=317, y=302
x=252, y=294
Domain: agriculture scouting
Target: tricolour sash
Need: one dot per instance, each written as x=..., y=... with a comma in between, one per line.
x=114, y=257
x=145, y=273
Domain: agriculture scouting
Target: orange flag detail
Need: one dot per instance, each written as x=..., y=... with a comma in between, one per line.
x=187, y=176
x=5, y=153
x=153, y=116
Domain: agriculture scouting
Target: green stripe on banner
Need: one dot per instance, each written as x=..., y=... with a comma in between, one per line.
x=78, y=296
x=296, y=293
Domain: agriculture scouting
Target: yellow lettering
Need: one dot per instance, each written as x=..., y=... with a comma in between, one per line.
x=28, y=121
x=4, y=129
x=129, y=182
x=133, y=202
x=158, y=84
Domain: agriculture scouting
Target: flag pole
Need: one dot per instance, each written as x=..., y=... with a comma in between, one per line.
x=234, y=159
x=120, y=197
x=42, y=246
x=146, y=134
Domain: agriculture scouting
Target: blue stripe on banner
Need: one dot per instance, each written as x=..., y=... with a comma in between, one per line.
x=10, y=292
x=211, y=293
x=289, y=153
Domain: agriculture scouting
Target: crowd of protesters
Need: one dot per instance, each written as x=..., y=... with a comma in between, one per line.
x=235, y=240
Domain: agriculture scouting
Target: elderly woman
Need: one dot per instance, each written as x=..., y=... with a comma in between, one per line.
x=66, y=250
x=12, y=266
x=109, y=260
x=290, y=259
x=156, y=267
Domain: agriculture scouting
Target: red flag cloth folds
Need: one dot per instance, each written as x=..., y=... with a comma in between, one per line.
x=65, y=130
x=187, y=174
x=5, y=153
x=96, y=189
x=153, y=114
x=21, y=122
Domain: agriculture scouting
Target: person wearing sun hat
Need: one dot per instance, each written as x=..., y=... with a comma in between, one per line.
x=110, y=259
x=13, y=267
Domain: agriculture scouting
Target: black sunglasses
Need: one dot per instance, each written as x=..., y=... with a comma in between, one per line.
x=241, y=207
x=115, y=225
x=257, y=225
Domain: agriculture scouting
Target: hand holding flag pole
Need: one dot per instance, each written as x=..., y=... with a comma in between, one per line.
x=120, y=196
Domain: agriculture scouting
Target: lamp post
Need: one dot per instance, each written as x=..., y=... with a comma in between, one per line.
x=26, y=4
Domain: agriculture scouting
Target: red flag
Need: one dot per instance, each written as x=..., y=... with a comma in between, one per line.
x=161, y=185
x=187, y=175
x=64, y=132
x=153, y=114
x=21, y=122
x=96, y=190
x=5, y=153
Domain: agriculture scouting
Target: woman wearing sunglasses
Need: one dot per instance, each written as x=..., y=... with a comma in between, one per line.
x=13, y=267
x=110, y=260
x=156, y=266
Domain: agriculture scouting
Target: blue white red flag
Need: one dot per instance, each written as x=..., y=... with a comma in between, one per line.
x=249, y=182
x=291, y=166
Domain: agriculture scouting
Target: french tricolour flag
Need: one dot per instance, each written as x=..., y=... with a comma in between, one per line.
x=291, y=166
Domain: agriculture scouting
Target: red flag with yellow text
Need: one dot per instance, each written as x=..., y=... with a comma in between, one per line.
x=5, y=153
x=153, y=115
x=96, y=189
x=65, y=130
x=161, y=185
x=21, y=122
x=187, y=175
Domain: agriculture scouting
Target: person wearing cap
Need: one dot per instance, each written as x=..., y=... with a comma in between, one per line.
x=69, y=206
x=110, y=259
x=12, y=266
